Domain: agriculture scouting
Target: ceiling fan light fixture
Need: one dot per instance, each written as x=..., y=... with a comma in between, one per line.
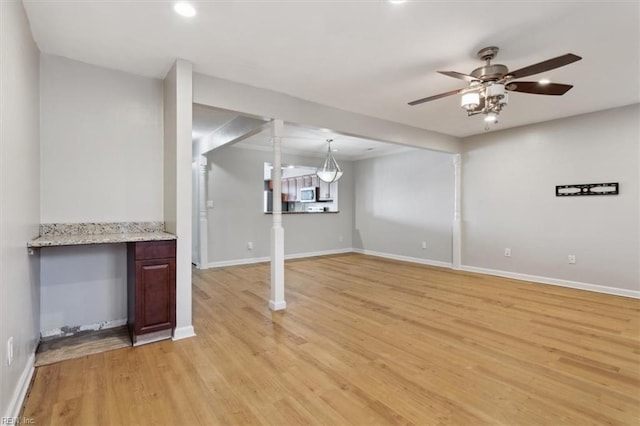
x=495, y=90
x=492, y=117
x=504, y=100
x=486, y=92
x=470, y=101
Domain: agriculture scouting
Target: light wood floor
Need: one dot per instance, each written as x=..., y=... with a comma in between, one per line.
x=366, y=341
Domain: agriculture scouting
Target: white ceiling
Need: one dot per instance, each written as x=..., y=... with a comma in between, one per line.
x=296, y=139
x=313, y=142
x=370, y=57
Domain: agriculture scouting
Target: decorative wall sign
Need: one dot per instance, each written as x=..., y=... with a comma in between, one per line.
x=587, y=189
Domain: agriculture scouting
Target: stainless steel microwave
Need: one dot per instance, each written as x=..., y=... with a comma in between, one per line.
x=308, y=194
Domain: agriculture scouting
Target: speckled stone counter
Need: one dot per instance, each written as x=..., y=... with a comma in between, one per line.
x=73, y=234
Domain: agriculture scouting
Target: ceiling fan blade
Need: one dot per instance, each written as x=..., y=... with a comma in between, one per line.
x=455, y=74
x=536, y=88
x=434, y=97
x=543, y=66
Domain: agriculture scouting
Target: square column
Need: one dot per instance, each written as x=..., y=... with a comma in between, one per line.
x=276, y=300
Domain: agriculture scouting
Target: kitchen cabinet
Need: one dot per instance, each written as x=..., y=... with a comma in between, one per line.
x=151, y=285
x=299, y=185
x=324, y=193
x=289, y=190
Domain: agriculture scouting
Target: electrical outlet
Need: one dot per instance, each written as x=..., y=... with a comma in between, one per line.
x=507, y=252
x=10, y=350
x=250, y=245
x=340, y=238
x=424, y=244
x=572, y=259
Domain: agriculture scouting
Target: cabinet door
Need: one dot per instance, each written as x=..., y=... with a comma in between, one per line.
x=284, y=189
x=299, y=185
x=325, y=191
x=155, y=295
x=293, y=190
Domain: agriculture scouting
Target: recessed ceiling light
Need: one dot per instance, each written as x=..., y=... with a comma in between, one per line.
x=544, y=81
x=397, y=1
x=184, y=9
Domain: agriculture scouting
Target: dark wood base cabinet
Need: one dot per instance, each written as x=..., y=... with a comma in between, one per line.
x=151, y=285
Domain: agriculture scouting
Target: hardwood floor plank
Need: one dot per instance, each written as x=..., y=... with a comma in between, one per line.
x=365, y=340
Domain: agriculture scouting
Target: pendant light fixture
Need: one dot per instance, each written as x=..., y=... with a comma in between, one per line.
x=330, y=171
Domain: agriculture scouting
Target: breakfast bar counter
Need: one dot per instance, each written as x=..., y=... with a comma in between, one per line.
x=151, y=269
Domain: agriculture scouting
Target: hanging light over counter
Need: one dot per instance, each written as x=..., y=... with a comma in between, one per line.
x=330, y=170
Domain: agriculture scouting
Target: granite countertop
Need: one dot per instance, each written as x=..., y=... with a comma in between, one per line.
x=71, y=234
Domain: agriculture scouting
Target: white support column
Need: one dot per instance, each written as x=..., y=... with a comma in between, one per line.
x=276, y=301
x=457, y=215
x=203, y=239
x=178, y=105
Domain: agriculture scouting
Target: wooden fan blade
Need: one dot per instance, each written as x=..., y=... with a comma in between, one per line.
x=536, y=88
x=455, y=74
x=434, y=97
x=543, y=66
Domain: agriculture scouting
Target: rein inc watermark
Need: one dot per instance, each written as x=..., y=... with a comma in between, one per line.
x=17, y=421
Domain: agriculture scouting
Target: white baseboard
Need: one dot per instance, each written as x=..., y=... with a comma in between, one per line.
x=236, y=262
x=20, y=392
x=554, y=281
x=405, y=258
x=317, y=253
x=183, y=332
x=513, y=275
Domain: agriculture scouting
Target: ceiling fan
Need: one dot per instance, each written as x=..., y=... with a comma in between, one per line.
x=488, y=85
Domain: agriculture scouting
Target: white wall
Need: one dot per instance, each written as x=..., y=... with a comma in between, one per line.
x=235, y=185
x=509, y=201
x=101, y=161
x=19, y=202
x=101, y=144
x=403, y=200
x=83, y=286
